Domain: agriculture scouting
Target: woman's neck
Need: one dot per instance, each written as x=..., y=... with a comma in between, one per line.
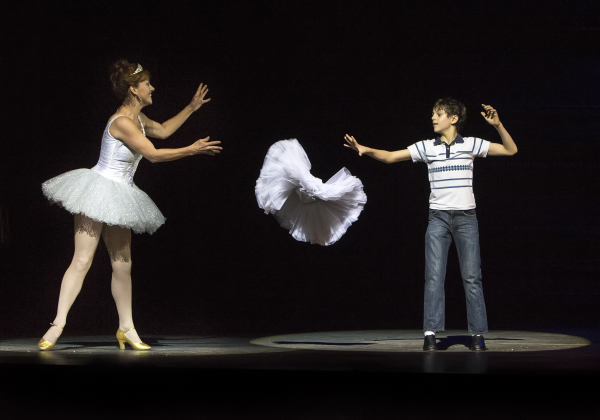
x=131, y=110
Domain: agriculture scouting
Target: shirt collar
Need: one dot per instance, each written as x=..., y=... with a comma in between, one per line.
x=458, y=139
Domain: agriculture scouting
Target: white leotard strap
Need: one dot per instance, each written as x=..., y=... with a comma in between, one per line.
x=114, y=118
x=122, y=115
x=142, y=124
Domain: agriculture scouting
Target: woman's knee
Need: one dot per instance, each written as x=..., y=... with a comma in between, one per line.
x=82, y=262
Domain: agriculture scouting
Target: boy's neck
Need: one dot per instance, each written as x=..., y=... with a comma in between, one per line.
x=448, y=136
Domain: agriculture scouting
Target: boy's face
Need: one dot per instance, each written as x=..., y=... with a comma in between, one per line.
x=441, y=121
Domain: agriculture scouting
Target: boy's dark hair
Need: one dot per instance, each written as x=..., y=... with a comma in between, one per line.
x=452, y=107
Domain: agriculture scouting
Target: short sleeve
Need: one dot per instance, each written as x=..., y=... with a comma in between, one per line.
x=417, y=152
x=480, y=147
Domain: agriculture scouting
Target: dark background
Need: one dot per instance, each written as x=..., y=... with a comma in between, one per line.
x=311, y=71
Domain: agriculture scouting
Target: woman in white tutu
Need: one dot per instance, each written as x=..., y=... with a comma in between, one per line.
x=105, y=201
x=312, y=211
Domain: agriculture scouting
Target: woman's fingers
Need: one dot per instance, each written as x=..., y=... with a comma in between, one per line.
x=202, y=91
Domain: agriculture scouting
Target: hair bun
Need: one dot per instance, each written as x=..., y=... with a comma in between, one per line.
x=121, y=65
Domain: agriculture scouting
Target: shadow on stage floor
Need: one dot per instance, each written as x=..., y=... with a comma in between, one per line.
x=322, y=375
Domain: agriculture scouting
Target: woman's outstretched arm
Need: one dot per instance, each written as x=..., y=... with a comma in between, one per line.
x=162, y=131
x=381, y=155
x=124, y=129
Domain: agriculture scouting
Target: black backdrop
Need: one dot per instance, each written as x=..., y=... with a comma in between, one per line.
x=311, y=71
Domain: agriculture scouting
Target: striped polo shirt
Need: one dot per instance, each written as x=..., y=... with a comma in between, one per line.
x=450, y=170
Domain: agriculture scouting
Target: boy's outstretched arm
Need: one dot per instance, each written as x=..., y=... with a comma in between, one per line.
x=382, y=155
x=508, y=146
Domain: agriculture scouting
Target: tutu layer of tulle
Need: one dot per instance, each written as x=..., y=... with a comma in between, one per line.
x=84, y=191
x=312, y=211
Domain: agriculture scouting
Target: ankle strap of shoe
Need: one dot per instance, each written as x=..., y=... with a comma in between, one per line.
x=57, y=326
x=132, y=328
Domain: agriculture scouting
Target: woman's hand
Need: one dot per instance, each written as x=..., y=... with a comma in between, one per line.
x=490, y=115
x=198, y=99
x=205, y=147
x=353, y=144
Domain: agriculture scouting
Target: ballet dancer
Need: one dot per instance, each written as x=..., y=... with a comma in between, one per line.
x=106, y=203
x=449, y=158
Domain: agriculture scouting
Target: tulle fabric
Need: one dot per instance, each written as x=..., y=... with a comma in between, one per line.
x=312, y=211
x=84, y=191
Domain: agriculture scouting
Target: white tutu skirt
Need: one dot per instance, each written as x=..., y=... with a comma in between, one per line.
x=84, y=191
x=312, y=211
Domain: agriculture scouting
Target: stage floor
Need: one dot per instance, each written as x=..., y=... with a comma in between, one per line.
x=337, y=374
x=374, y=350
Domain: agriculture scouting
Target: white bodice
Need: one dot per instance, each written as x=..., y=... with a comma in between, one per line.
x=118, y=161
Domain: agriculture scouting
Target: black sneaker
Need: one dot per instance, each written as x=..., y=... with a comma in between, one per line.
x=429, y=344
x=478, y=343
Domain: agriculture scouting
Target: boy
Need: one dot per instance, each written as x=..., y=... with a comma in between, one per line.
x=449, y=158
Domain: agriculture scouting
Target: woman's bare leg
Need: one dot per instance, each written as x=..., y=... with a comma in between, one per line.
x=87, y=236
x=118, y=244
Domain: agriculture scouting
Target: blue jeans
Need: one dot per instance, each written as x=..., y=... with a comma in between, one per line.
x=444, y=226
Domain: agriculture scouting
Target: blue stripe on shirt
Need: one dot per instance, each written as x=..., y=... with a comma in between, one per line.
x=454, y=158
x=448, y=179
x=423, y=144
x=457, y=186
x=450, y=168
x=417, y=147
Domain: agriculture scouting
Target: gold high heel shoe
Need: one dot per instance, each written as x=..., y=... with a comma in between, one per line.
x=122, y=338
x=46, y=345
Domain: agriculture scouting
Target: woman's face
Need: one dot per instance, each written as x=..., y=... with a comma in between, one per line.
x=144, y=92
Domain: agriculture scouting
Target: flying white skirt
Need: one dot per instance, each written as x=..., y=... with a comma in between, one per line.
x=312, y=211
x=84, y=191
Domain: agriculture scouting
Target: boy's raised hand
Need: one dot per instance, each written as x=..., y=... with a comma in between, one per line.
x=353, y=144
x=490, y=115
